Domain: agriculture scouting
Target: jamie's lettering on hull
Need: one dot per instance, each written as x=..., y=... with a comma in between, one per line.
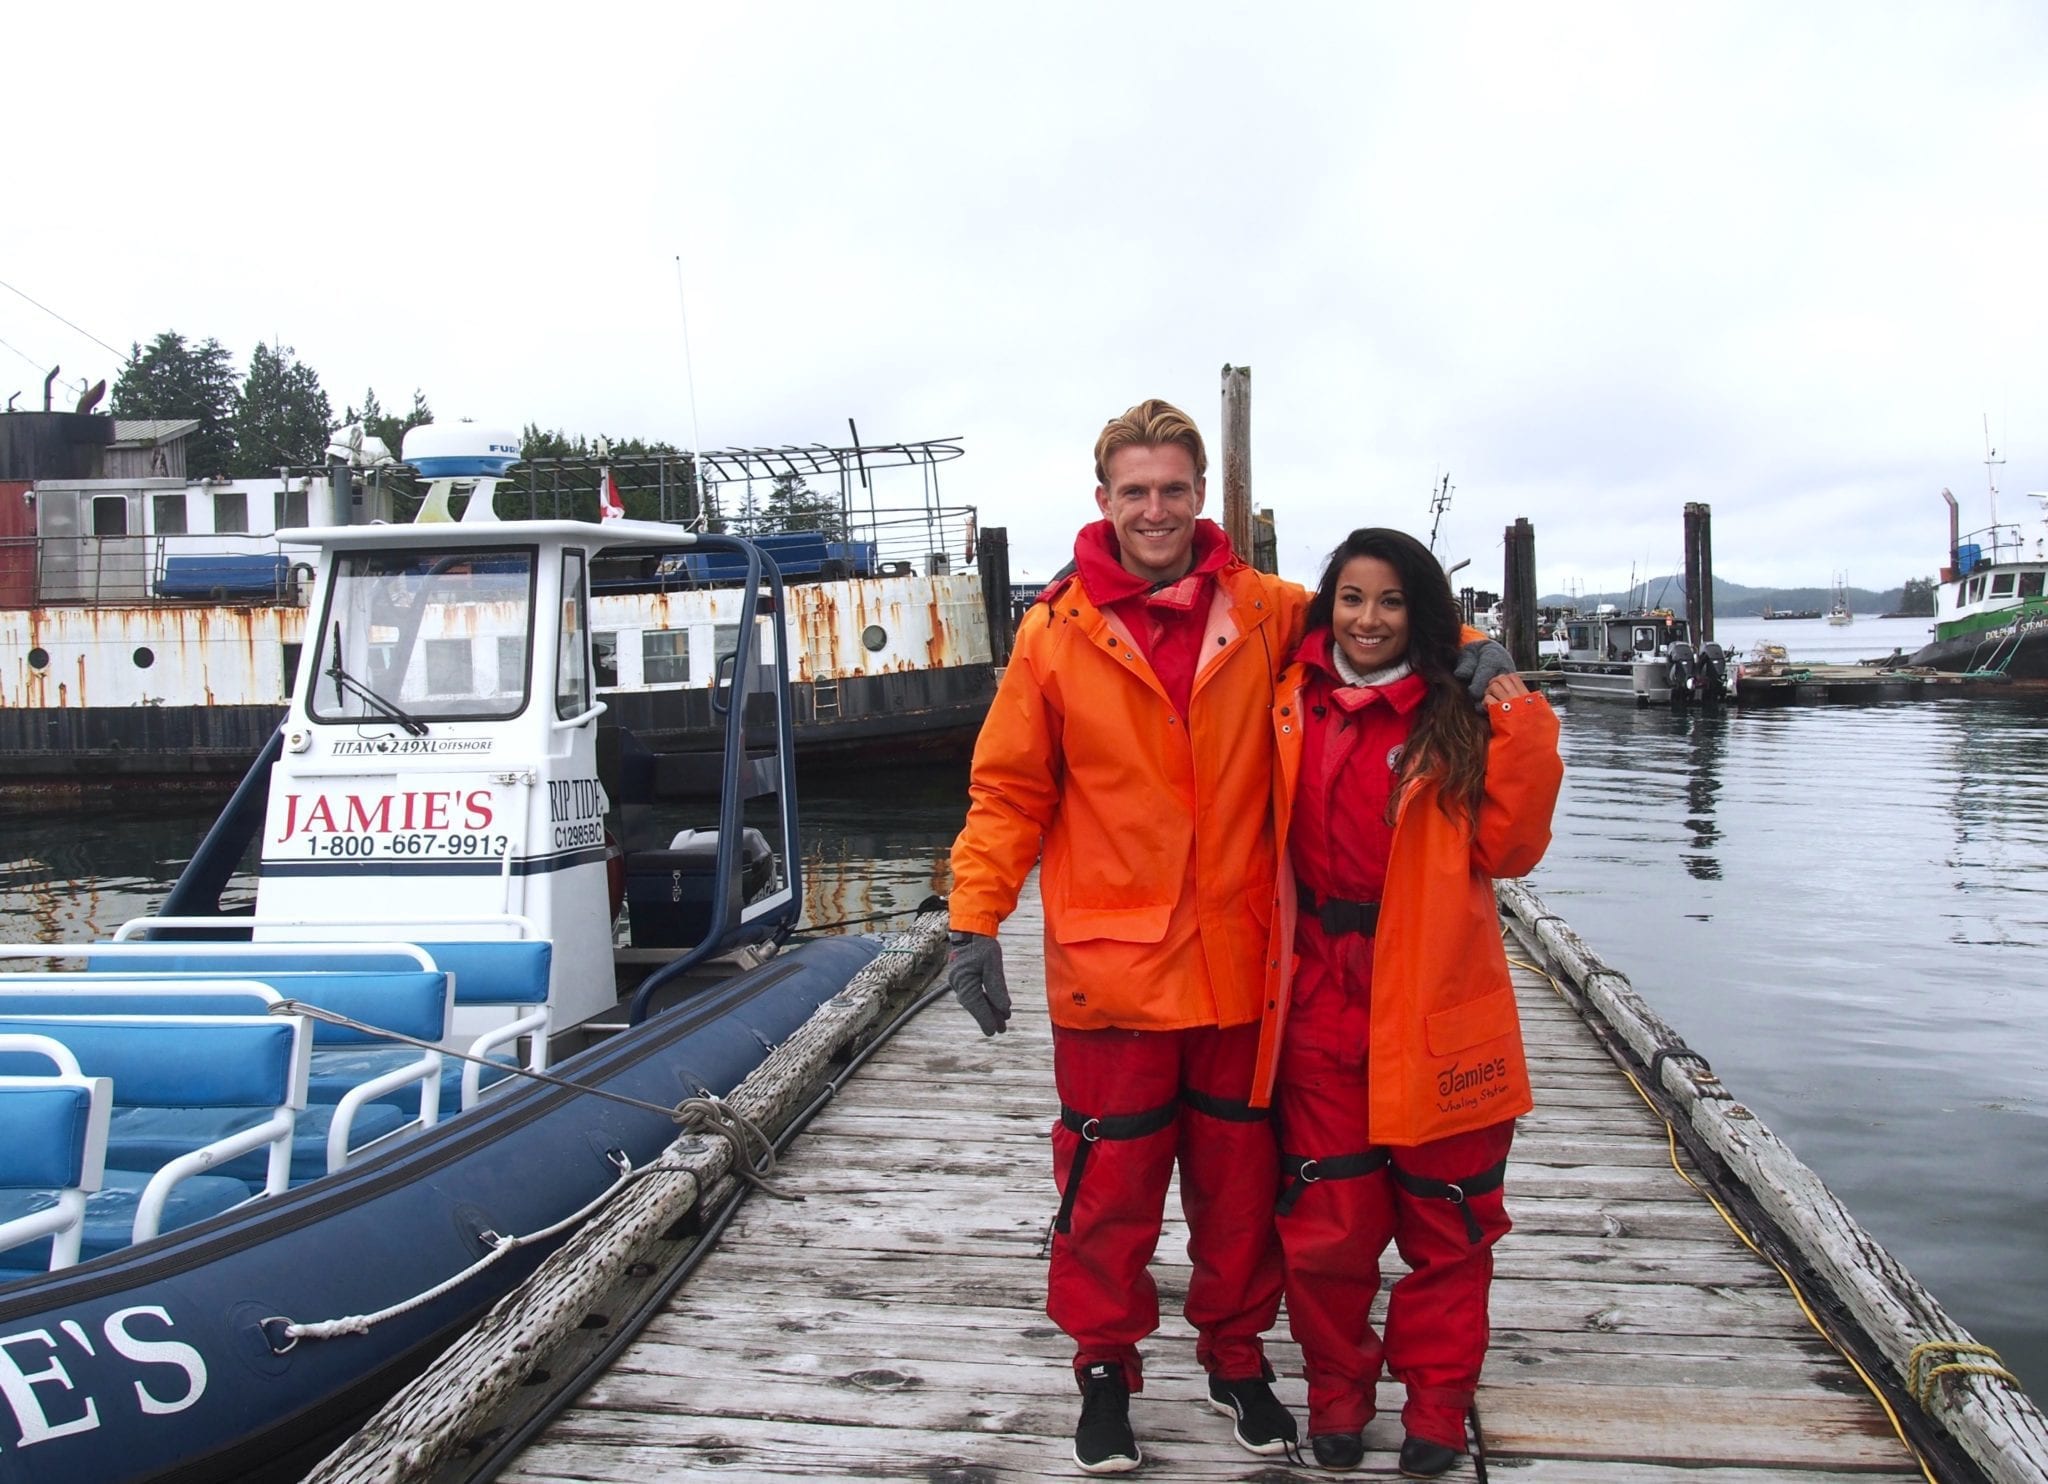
x=160, y=1375
x=451, y=823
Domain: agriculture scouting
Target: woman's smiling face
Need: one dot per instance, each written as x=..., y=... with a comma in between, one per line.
x=1370, y=618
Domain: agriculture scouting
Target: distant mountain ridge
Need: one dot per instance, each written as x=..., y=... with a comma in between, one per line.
x=1732, y=599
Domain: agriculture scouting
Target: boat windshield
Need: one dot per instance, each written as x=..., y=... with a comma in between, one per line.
x=425, y=636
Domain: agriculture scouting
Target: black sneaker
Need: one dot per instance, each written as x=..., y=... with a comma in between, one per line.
x=1338, y=1452
x=1263, y=1425
x=1422, y=1459
x=1103, y=1443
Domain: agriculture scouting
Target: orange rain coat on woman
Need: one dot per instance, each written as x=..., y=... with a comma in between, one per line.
x=1445, y=1053
x=1158, y=845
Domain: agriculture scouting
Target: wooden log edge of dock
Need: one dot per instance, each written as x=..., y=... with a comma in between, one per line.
x=426, y=1420
x=1995, y=1424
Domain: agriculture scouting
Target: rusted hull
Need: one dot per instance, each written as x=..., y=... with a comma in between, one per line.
x=148, y=692
x=91, y=751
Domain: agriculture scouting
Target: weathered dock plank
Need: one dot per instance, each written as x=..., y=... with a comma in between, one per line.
x=891, y=1326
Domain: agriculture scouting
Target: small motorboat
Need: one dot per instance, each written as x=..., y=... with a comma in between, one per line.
x=1644, y=658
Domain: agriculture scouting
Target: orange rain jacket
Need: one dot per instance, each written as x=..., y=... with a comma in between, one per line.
x=1084, y=758
x=1446, y=1044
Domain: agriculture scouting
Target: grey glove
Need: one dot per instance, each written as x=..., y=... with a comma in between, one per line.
x=1480, y=663
x=974, y=971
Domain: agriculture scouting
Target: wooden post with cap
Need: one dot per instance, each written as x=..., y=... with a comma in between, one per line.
x=1237, y=459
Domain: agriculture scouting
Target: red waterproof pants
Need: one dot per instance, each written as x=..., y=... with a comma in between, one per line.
x=1193, y=1085
x=1333, y=1231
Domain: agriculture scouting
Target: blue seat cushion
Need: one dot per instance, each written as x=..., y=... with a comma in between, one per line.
x=409, y=1000
x=45, y=1137
x=110, y=1212
x=197, y=1063
x=502, y=1064
x=27, y=1257
x=336, y=1073
x=150, y=1138
x=493, y=972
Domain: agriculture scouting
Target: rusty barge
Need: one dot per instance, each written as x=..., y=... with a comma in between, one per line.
x=151, y=626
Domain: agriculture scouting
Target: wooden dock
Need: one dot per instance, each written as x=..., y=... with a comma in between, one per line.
x=1864, y=685
x=1842, y=685
x=891, y=1325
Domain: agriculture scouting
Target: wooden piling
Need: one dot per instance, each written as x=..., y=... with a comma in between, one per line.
x=1518, y=594
x=1237, y=459
x=992, y=557
x=1699, y=570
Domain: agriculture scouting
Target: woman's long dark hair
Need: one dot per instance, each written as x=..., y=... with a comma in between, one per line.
x=1448, y=742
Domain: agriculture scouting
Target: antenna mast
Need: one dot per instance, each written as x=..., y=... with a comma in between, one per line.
x=1991, y=461
x=1439, y=502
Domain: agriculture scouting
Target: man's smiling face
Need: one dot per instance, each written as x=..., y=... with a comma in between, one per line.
x=1152, y=499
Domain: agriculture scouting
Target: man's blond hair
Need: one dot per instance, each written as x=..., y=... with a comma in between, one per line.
x=1151, y=424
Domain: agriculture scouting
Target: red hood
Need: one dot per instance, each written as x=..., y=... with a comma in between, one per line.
x=1099, y=563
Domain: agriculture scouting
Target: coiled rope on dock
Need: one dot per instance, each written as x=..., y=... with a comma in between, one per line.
x=1921, y=1381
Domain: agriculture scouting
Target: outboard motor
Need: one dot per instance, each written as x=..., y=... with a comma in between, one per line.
x=1714, y=673
x=1683, y=668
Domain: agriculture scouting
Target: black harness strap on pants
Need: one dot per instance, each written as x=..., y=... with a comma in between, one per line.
x=1302, y=1171
x=1230, y=1110
x=1092, y=1131
x=1483, y=1183
x=1339, y=917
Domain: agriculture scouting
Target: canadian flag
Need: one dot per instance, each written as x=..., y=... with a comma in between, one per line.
x=609, y=505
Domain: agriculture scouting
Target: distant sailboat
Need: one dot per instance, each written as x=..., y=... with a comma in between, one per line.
x=1838, y=610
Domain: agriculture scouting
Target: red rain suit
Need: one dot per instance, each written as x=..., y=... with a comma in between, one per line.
x=1128, y=746
x=1423, y=1009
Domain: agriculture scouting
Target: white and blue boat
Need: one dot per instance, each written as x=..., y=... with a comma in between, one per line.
x=220, y=1132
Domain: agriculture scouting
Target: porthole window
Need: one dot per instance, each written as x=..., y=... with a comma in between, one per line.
x=39, y=658
x=144, y=657
x=874, y=636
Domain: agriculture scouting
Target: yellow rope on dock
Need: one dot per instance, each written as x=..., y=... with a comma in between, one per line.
x=1921, y=1384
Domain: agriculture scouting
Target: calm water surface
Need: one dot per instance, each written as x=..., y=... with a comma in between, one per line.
x=1843, y=908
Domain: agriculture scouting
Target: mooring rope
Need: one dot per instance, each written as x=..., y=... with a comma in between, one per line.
x=706, y=1112
x=1921, y=1383
x=292, y=1332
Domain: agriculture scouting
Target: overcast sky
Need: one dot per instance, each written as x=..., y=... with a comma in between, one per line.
x=1594, y=262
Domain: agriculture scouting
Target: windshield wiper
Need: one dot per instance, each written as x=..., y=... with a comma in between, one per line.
x=342, y=679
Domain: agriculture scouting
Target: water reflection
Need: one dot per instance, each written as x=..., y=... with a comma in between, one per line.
x=870, y=861
x=1843, y=907
x=1997, y=759
x=1647, y=780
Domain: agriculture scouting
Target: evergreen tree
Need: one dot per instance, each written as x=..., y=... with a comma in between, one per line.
x=282, y=417
x=174, y=380
x=794, y=506
x=389, y=428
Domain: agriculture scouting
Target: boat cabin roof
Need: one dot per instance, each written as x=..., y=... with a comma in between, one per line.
x=591, y=535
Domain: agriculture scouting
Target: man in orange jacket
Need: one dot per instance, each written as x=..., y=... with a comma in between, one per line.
x=1128, y=748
